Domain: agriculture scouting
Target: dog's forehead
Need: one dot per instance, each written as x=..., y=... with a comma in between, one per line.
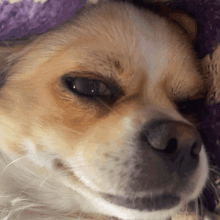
x=121, y=59
x=130, y=45
x=124, y=46
x=117, y=51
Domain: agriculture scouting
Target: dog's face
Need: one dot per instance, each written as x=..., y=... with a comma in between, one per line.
x=102, y=102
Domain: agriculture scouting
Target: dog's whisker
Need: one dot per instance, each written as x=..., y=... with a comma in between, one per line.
x=215, y=170
x=81, y=215
x=44, y=180
x=208, y=126
x=197, y=209
x=212, y=187
x=14, y=161
x=201, y=206
x=7, y=44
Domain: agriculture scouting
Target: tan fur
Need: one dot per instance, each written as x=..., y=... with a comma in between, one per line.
x=51, y=139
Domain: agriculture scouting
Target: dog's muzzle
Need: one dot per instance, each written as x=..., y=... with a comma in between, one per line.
x=164, y=167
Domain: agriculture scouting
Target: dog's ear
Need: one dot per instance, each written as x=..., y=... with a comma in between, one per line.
x=186, y=22
x=182, y=19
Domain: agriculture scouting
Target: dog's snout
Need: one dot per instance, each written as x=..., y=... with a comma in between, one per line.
x=171, y=149
x=171, y=137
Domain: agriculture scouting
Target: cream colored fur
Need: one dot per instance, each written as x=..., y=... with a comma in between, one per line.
x=51, y=141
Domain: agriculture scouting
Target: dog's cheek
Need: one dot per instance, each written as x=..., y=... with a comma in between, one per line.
x=70, y=111
x=105, y=147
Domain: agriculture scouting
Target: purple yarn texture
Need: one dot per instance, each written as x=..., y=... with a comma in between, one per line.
x=28, y=17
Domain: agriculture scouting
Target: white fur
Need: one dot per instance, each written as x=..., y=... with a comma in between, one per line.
x=25, y=195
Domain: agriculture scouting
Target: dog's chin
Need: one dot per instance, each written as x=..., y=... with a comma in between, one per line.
x=146, y=208
x=149, y=204
x=157, y=206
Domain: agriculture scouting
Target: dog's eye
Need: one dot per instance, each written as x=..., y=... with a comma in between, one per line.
x=190, y=106
x=90, y=88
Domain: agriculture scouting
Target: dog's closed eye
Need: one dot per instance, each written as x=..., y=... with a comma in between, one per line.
x=91, y=88
x=87, y=87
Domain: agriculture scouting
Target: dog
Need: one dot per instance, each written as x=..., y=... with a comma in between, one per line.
x=98, y=119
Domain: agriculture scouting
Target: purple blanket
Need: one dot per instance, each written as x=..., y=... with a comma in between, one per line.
x=28, y=17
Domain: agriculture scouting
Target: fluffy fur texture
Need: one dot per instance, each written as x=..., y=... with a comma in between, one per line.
x=59, y=150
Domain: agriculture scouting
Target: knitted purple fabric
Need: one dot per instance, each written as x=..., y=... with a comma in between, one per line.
x=26, y=17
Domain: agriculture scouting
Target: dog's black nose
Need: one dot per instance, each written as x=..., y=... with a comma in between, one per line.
x=173, y=138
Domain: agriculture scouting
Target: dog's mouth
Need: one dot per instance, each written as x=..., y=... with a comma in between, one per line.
x=165, y=201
